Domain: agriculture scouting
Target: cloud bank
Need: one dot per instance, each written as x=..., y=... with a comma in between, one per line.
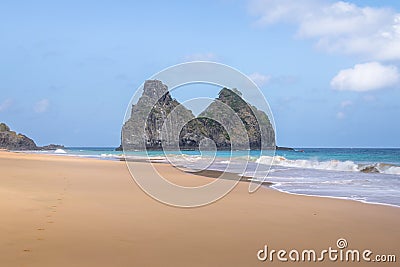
x=340, y=26
x=372, y=33
x=366, y=77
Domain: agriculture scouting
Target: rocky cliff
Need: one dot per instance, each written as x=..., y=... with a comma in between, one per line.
x=143, y=129
x=254, y=121
x=10, y=140
x=146, y=131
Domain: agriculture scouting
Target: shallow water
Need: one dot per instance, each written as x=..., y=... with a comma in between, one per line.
x=335, y=172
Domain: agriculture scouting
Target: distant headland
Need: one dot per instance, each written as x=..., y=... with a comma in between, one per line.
x=10, y=140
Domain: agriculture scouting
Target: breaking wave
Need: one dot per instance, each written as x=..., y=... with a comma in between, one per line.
x=331, y=165
x=60, y=151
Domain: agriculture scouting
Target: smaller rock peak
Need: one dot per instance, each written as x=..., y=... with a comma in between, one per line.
x=154, y=89
x=4, y=127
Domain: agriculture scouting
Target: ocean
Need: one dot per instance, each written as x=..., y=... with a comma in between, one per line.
x=364, y=174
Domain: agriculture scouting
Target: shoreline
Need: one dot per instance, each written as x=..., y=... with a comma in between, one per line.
x=215, y=174
x=333, y=197
x=205, y=173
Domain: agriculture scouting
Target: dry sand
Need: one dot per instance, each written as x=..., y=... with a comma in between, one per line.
x=62, y=211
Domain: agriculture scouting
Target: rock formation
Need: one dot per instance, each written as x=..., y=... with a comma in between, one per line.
x=256, y=122
x=144, y=129
x=10, y=140
x=149, y=115
x=52, y=147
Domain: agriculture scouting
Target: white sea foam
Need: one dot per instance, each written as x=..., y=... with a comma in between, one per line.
x=342, y=182
x=309, y=164
x=332, y=165
x=392, y=170
x=60, y=151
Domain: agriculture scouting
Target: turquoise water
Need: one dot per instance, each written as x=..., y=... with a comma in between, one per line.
x=357, y=155
x=366, y=155
x=332, y=172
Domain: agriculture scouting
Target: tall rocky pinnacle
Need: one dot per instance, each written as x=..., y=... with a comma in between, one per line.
x=156, y=109
x=148, y=115
x=255, y=121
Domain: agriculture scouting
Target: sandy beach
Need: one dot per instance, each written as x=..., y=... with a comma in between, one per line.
x=65, y=211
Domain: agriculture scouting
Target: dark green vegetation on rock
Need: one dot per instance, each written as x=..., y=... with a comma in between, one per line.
x=141, y=131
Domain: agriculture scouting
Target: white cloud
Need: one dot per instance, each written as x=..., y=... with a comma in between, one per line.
x=340, y=115
x=274, y=11
x=366, y=77
x=201, y=57
x=41, y=106
x=259, y=79
x=346, y=103
x=6, y=104
x=340, y=26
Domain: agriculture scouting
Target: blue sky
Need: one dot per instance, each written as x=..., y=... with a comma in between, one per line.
x=330, y=70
